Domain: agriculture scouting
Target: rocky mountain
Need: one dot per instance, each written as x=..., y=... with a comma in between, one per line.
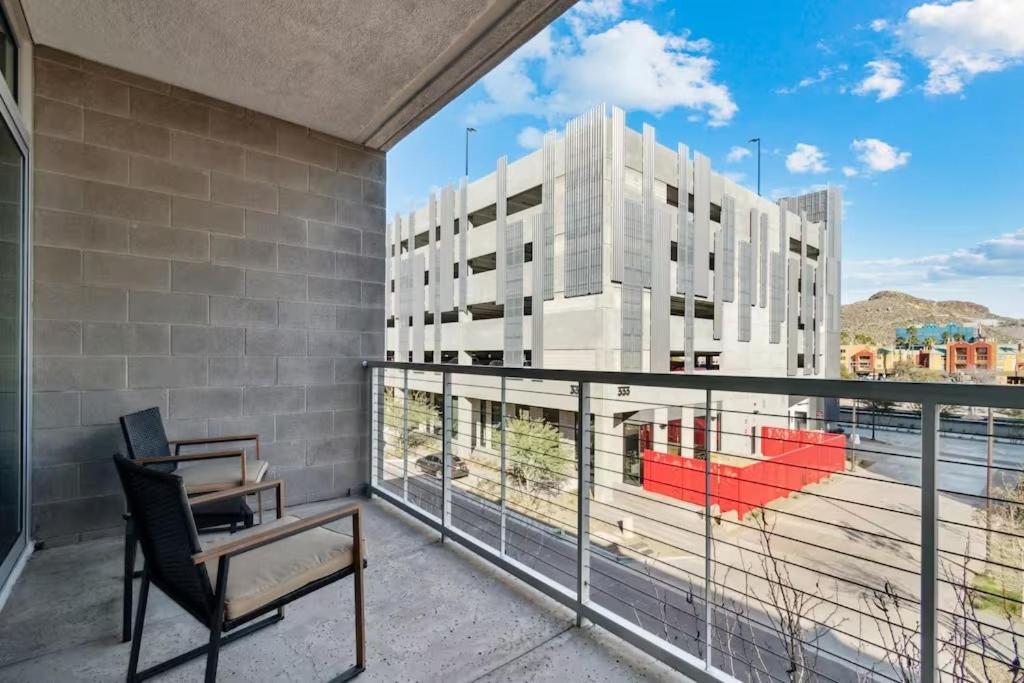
x=881, y=313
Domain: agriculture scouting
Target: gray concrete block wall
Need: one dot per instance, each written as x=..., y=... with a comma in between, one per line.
x=218, y=263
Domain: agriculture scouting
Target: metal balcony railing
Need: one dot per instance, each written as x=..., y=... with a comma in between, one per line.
x=820, y=544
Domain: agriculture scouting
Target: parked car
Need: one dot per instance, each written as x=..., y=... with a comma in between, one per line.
x=431, y=464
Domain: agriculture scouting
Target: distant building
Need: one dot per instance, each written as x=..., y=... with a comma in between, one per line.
x=937, y=333
x=867, y=360
x=605, y=250
x=969, y=357
x=1007, y=356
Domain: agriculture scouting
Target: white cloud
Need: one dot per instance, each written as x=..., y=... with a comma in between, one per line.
x=849, y=171
x=736, y=176
x=959, y=40
x=975, y=273
x=509, y=87
x=589, y=14
x=879, y=156
x=629, y=64
x=885, y=80
x=530, y=138
x=806, y=159
x=737, y=153
x=823, y=75
x=879, y=25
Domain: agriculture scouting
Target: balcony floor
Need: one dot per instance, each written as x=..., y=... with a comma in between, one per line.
x=433, y=611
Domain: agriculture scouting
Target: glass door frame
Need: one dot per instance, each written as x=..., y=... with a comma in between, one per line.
x=11, y=117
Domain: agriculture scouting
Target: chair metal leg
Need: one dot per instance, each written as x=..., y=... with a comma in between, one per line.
x=204, y=649
x=360, y=617
x=129, y=572
x=357, y=587
x=140, y=619
x=217, y=623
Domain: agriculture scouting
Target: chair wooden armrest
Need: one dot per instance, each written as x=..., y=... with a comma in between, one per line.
x=240, y=491
x=206, y=455
x=206, y=440
x=262, y=538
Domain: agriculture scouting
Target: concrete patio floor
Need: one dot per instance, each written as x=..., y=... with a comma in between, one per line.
x=434, y=612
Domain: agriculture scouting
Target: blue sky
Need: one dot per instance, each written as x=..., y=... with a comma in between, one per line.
x=915, y=108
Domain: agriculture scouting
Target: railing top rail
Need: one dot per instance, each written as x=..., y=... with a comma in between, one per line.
x=941, y=393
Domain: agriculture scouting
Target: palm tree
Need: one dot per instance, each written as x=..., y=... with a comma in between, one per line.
x=884, y=353
x=946, y=337
x=929, y=343
x=912, y=340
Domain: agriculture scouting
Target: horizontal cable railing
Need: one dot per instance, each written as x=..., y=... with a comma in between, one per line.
x=737, y=528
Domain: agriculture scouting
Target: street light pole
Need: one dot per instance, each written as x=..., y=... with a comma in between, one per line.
x=758, y=141
x=468, y=131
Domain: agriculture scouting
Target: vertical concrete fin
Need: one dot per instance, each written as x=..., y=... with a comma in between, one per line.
x=618, y=173
x=584, y=192
x=792, y=314
x=819, y=331
x=701, y=223
x=402, y=318
x=548, y=213
x=834, y=230
x=684, y=227
x=432, y=297
x=716, y=327
x=433, y=252
x=689, y=301
x=406, y=287
x=763, y=258
x=728, y=252
x=463, y=245
x=783, y=231
x=539, y=276
x=755, y=246
x=743, y=306
x=777, y=300
x=418, y=306
x=501, y=217
x=513, y=290
x=446, y=260
x=647, y=190
x=661, y=289
x=389, y=238
x=631, y=308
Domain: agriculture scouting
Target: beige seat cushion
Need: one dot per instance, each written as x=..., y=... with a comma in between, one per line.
x=265, y=574
x=203, y=476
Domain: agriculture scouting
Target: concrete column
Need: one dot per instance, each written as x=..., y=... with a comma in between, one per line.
x=660, y=431
x=607, y=457
x=467, y=425
x=686, y=432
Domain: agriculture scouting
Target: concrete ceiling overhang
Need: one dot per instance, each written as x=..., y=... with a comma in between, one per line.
x=367, y=71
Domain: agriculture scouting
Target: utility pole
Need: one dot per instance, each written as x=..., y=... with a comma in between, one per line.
x=758, y=141
x=468, y=131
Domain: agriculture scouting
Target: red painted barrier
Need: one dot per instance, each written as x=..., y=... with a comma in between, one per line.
x=792, y=460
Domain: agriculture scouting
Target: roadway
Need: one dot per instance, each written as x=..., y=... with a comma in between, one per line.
x=666, y=599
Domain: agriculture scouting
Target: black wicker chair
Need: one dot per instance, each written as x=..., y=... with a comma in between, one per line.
x=203, y=472
x=295, y=557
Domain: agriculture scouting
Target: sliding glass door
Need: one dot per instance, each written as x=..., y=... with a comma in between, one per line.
x=13, y=313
